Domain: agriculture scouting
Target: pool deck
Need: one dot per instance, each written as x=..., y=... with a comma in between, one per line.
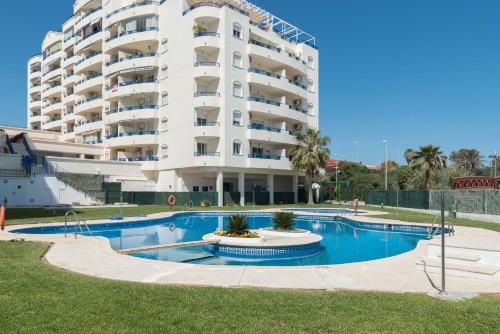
x=93, y=256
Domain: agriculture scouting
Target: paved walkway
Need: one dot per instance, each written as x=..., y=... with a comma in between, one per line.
x=93, y=256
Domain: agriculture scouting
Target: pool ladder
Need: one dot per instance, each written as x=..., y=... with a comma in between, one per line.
x=435, y=227
x=78, y=224
x=189, y=205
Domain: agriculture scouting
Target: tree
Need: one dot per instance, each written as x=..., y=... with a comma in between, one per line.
x=309, y=155
x=428, y=158
x=409, y=154
x=469, y=160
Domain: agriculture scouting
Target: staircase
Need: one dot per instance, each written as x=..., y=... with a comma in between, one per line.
x=462, y=262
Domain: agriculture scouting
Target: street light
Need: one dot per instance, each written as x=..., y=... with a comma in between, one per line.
x=494, y=163
x=385, y=142
x=443, y=267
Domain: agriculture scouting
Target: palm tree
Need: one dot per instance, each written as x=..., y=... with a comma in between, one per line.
x=309, y=155
x=469, y=160
x=409, y=154
x=428, y=158
x=237, y=225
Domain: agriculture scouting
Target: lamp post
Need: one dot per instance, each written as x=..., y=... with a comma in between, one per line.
x=494, y=163
x=443, y=268
x=337, y=183
x=385, y=142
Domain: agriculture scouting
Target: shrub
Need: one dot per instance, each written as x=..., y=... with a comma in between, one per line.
x=237, y=225
x=284, y=221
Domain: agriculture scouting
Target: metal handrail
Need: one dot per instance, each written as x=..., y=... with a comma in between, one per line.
x=433, y=230
x=78, y=223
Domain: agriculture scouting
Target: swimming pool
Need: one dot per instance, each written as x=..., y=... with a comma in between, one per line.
x=344, y=240
x=328, y=211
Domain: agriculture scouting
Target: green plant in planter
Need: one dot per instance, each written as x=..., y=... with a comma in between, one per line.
x=197, y=28
x=284, y=221
x=237, y=225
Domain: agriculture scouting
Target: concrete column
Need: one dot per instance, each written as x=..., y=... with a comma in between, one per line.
x=178, y=182
x=241, y=187
x=295, y=187
x=220, y=188
x=270, y=188
x=82, y=156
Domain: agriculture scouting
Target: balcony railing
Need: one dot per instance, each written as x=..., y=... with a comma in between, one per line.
x=51, y=120
x=200, y=94
x=264, y=156
x=93, y=142
x=206, y=123
x=144, y=3
x=90, y=121
x=129, y=32
x=264, y=45
x=50, y=54
x=131, y=82
x=206, y=154
x=88, y=36
x=296, y=83
x=132, y=133
x=52, y=70
x=206, y=63
x=262, y=100
x=122, y=109
x=90, y=99
x=69, y=112
x=79, y=82
x=93, y=54
x=263, y=72
x=90, y=12
x=212, y=4
x=35, y=114
x=264, y=128
x=132, y=159
x=206, y=33
x=139, y=55
x=296, y=108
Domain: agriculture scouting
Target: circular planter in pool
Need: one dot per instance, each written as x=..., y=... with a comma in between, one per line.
x=268, y=232
x=261, y=249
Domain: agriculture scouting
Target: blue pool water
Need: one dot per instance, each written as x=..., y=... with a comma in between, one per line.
x=344, y=241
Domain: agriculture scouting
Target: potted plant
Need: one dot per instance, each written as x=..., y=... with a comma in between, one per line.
x=284, y=226
x=197, y=28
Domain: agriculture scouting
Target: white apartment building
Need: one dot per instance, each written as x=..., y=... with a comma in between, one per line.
x=205, y=94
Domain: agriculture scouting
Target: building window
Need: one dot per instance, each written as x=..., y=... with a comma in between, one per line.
x=237, y=89
x=310, y=62
x=237, y=147
x=310, y=85
x=164, y=151
x=196, y=189
x=164, y=98
x=237, y=60
x=204, y=189
x=237, y=118
x=237, y=30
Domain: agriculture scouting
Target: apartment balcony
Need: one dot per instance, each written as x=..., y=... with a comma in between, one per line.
x=131, y=113
x=35, y=89
x=86, y=84
x=58, y=55
x=89, y=17
x=133, y=39
x=68, y=136
x=69, y=61
x=36, y=118
x=207, y=39
x=207, y=69
x=202, y=159
x=208, y=100
x=91, y=125
x=268, y=161
x=68, y=115
x=35, y=75
x=52, y=124
x=94, y=103
x=95, y=37
x=69, y=79
x=267, y=79
x=52, y=108
x=82, y=5
x=263, y=50
x=270, y=135
x=93, y=60
x=67, y=42
x=131, y=87
x=207, y=130
x=55, y=91
x=272, y=109
x=124, y=63
x=142, y=8
x=57, y=72
x=70, y=99
x=133, y=138
x=35, y=104
x=204, y=9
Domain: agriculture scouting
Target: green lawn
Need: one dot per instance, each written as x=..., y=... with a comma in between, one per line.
x=37, y=298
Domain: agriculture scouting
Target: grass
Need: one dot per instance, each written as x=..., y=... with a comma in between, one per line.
x=37, y=298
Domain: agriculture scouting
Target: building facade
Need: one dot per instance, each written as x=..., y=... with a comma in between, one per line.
x=205, y=94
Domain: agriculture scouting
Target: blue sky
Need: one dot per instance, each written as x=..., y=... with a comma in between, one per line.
x=412, y=72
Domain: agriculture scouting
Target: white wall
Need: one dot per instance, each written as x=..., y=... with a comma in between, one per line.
x=40, y=191
x=10, y=161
